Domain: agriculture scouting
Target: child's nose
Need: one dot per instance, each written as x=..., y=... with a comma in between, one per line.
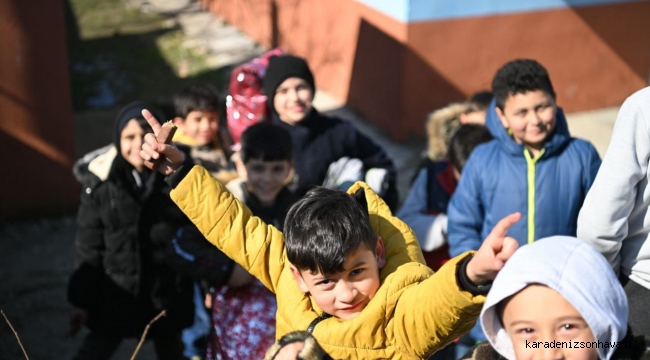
x=293, y=95
x=266, y=175
x=550, y=353
x=348, y=293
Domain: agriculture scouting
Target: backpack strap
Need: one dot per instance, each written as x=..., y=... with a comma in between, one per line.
x=313, y=324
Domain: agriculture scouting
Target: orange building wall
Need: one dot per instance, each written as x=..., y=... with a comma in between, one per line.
x=396, y=73
x=596, y=56
x=36, y=134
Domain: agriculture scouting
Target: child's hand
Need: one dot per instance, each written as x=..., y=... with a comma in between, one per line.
x=495, y=251
x=151, y=149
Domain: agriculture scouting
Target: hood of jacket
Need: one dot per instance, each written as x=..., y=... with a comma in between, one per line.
x=566, y=265
x=441, y=126
x=557, y=140
x=96, y=163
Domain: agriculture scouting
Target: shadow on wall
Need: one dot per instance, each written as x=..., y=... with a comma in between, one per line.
x=388, y=73
x=625, y=29
x=35, y=124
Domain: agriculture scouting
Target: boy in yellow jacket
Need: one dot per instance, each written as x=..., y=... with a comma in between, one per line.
x=347, y=270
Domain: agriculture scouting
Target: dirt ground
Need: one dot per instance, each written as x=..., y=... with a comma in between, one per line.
x=36, y=259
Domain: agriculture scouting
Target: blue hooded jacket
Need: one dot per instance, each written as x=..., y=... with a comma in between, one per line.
x=500, y=178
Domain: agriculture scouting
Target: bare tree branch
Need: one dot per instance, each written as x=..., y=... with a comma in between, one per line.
x=15, y=333
x=144, y=334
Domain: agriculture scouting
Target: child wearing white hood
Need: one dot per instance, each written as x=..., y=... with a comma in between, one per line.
x=556, y=298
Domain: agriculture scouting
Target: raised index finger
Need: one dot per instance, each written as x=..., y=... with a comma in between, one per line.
x=155, y=125
x=502, y=227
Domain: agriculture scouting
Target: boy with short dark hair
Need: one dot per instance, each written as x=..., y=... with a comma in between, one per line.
x=263, y=165
x=369, y=297
x=197, y=119
x=533, y=166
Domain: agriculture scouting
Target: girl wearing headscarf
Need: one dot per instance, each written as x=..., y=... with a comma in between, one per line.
x=126, y=220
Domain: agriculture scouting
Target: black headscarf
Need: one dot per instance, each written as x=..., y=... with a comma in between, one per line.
x=122, y=171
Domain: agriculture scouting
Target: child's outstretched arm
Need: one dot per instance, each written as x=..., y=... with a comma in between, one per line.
x=446, y=305
x=222, y=219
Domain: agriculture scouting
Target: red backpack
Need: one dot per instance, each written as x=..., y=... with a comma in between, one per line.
x=246, y=102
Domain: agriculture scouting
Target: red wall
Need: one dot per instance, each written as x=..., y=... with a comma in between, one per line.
x=396, y=73
x=36, y=133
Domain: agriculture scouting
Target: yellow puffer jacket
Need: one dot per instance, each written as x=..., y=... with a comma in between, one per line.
x=414, y=313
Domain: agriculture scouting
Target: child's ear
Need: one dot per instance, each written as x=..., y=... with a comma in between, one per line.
x=502, y=117
x=360, y=197
x=380, y=253
x=299, y=279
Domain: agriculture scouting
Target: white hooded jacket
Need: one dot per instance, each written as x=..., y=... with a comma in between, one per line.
x=615, y=217
x=576, y=271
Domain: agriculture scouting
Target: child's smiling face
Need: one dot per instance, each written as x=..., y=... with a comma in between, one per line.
x=530, y=116
x=346, y=293
x=537, y=315
x=131, y=139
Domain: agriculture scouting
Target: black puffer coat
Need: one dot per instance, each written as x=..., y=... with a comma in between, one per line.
x=121, y=278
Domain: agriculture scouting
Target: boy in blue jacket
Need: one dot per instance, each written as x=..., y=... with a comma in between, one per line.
x=533, y=166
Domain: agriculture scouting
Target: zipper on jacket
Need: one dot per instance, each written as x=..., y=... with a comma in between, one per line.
x=530, y=165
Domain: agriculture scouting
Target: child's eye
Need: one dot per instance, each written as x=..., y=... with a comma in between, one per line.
x=356, y=272
x=568, y=327
x=525, y=331
x=324, y=282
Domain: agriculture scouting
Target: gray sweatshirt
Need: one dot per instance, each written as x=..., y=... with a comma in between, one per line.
x=614, y=217
x=577, y=272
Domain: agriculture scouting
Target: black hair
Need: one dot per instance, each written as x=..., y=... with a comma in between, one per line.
x=465, y=139
x=518, y=77
x=479, y=101
x=196, y=98
x=266, y=142
x=326, y=226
